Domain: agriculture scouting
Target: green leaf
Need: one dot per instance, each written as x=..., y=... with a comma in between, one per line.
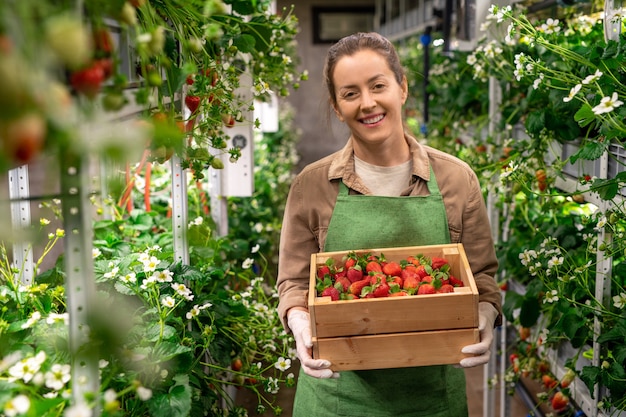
x=584, y=115
x=176, y=403
x=529, y=312
x=245, y=43
x=536, y=121
x=606, y=189
x=617, y=333
x=166, y=350
x=242, y=7
x=153, y=334
x=590, y=151
x=590, y=376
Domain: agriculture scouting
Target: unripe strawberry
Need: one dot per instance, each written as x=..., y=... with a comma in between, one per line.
x=567, y=379
x=157, y=40
x=217, y=163
x=128, y=14
x=69, y=40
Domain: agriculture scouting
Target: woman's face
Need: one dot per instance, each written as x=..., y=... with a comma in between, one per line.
x=368, y=97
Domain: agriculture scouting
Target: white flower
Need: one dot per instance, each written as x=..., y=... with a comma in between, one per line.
x=195, y=311
x=78, y=410
x=607, y=104
x=58, y=318
x=282, y=364
x=196, y=222
x=527, y=257
x=593, y=77
x=34, y=318
x=183, y=291
x=95, y=252
x=110, y=396
x=163, y=276
x=57, y=376
x=129, y=278
x=27, y=368
x=150, y=264
x=555, y=261
x=17, y=405
x=256, y=248
x=168, y=301
x=538, y=81
x=551, y=26
x=551, y=297
x=620, y=300
x=247, y=263
x=144, y=393
x=572, y=92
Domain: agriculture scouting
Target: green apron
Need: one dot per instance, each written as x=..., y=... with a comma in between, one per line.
x=368, y=222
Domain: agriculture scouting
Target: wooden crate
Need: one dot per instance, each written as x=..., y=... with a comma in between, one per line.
x=377, y=333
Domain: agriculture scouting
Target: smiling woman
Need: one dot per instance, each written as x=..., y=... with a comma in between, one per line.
x=335, y=204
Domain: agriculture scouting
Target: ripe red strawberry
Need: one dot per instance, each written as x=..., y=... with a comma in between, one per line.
x=24, y=137
x=376, y=277
x=350, y=260
x=549, y=381
x=409, y=272
x=103, y=42
x=322, y=271
x=426, y=289
x=344, y=282
x=107, y=66
x=401, y=293
x=381, y=290
x=392, y=268
x=540, y=174
x=88, y=80
x=445, y=288
x=437, y=263
x=559, y=401
x=411, y=282
x=331, y=292
x=357, y=287
x=373, y=266
x=354, y=273
x=455, y=282
x=192, y=103
x=427, y=279
x=395, y=281
x=421, y=271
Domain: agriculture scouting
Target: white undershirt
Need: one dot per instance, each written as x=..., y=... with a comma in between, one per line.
x=384, y=181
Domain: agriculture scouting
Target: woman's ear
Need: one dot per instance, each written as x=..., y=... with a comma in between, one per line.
x=405, y=89
x=337, y=113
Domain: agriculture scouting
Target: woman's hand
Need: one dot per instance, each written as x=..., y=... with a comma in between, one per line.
x=487, y=315
x=300, y=324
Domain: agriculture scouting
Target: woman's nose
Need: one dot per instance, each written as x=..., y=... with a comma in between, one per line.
x=367, y=100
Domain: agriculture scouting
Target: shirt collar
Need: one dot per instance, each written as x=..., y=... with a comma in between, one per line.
x=343, y=165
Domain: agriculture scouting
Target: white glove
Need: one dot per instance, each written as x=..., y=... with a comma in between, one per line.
x=300, y=324
x=487, y=315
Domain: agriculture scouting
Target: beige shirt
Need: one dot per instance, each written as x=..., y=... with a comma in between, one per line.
x=312, y=198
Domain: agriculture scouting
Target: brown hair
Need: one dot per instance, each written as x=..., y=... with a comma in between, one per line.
x=354, y=43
